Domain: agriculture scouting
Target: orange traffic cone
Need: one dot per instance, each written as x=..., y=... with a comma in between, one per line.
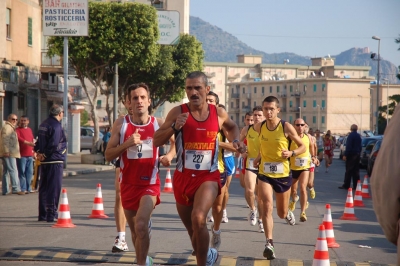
x=364, y=191
x=237, y=175
x=330, y=236
x=321, y=253
x=64, y=217
x=358, y=197
x=349, y=207
x=168, y=183
x=98, y=209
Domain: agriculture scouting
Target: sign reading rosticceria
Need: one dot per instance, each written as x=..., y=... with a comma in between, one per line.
x=65, y=18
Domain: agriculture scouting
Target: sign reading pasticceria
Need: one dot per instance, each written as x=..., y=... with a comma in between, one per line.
x=65, y=18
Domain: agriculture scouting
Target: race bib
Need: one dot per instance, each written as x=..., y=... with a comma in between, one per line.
x=300, y=162
x=327, y=148
x=198, y=160
x=250, y=164
x=273, y=168
x=141, y=151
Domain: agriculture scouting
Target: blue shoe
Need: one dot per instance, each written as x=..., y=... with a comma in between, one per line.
x=212, y=256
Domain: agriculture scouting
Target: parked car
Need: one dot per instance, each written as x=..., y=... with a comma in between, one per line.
x=342, y=148
x=367, y=143
x=372, y=156
x=87, y=134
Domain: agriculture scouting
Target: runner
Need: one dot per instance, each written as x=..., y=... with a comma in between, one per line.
x=253, y=149
x=329, y=145
x=248, y=120
x=320, y=146
x=132, y=141
x=300, y=166
x=274, y=172
x=314, y=151
x=196, y=180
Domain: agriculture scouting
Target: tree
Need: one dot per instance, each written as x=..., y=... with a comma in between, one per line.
x=123, y=33
x=394, y=100
x=84, y=117
x=398, y=41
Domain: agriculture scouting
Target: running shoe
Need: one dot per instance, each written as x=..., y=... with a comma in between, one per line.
x=210, y=219
x=225, y=217
x=290, y=218
x=215, y=238
x=269, y=251
x=149, y=261
x=119, y=245
x=212, y=256
x=307, y=204
x=260, y=226
x=252, y=217
x=312, y=193
x=292, y=205
x=303, y=217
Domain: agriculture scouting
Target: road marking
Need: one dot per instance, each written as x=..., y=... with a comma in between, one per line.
x=32, y=253
x=62, y=255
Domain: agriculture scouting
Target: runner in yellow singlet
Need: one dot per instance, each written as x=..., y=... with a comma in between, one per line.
x=300, y=166
x=250, y=178
x=274, y=172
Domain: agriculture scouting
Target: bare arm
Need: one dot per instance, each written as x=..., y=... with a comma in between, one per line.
x=243, y=133
x=167, y=158
x=291, y=133
x=165, y=132
x=113, y=148
x=231, y=129
x=227, y=146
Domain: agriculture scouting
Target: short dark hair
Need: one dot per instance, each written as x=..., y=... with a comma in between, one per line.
x=249, y=113
x=222, y=106
x=198, y=74
x=211, y=93
x=272, y=99
x=257, y=108
x=135, y=86
x=25, y=116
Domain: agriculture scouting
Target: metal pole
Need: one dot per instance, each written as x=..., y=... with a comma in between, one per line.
x=377, y=88
x=300, y=112
x=65, y=98
x=387, y=104
x=116, y=92
x=317, y=116
x=360, y=115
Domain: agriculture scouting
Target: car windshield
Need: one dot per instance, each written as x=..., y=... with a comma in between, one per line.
x=366, y=141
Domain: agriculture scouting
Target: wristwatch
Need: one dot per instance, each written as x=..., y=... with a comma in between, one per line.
x=293, y=154
x=173, y=127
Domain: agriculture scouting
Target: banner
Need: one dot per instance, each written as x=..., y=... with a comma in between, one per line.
x=168, y=25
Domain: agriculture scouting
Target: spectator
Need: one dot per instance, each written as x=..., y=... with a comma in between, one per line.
x=352, y=158
x=9, y=151
x=25, y=163
x=106, y=138
x=385, y=185
x=51, y=148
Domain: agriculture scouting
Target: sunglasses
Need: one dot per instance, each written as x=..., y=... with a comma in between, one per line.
x=298, y=125
x=14, y=119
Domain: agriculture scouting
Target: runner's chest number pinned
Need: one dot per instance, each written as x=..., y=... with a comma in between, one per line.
x=273, y=168
x=300, y=162
x=198, y=160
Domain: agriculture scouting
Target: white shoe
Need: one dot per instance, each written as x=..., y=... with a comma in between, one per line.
x=210, y=219
x=225, y=217
x=252, y=217
x=260, y=227
x=215, y=239
x=119, y=245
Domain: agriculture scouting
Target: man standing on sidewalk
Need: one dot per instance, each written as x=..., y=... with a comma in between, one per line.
x=51, y=149
x=25, y=163
x=9, y=151
x=352, y=158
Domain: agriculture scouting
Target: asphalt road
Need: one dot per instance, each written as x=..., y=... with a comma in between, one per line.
x=241, y=243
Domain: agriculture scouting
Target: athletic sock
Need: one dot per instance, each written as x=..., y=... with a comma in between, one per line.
x=121, y=236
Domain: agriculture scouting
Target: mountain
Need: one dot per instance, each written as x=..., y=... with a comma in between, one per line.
x=221, y=46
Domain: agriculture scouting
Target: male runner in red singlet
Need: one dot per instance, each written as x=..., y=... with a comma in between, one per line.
x=196, y=180
x=132, y=140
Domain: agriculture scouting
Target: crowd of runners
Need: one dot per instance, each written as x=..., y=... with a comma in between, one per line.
x=273, y=156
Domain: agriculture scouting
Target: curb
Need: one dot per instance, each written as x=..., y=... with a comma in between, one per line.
x=87, y=171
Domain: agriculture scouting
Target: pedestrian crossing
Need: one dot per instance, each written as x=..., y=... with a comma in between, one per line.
x=90, y=256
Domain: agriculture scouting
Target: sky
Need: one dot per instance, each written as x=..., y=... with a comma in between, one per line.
x=309, y=27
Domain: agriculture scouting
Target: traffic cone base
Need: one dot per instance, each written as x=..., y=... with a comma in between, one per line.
x=349, y=208
x=98, y=208
x=237, y=174
x=64, y=216
x=168, y=183
x=358, y=197
x=330, y=236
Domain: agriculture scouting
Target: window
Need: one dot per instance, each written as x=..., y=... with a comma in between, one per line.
x=270, y=89
x=255, y=104
x=290, y=119
x=255, y=89
x=30, y=31
x=290, y=104
x=323, y=104
x=304, y=103
x=8, y=23
x=98, y=105
x=314, y=119
x=277, y=89
x=21, y=101
x=323, y=119
x=304, y=118
x=244, y=90
x=323, y=87
x=233, y=91
x=242, y=118
x=231, y=104
x=291, y=88
x=315, y=88
x=262, y=90
x=314, y=103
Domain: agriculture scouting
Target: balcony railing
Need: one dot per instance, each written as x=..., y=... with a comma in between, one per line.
x=295, y=94
x=235, y=96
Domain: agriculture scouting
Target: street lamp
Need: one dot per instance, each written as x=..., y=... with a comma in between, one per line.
x=387, y=102
x=378, y=76
x=371, y=104
x=360, y=114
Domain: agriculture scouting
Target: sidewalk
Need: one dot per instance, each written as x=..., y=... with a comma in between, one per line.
x=75, y=167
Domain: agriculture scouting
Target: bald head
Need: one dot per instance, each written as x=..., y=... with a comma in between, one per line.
x=354, y=127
